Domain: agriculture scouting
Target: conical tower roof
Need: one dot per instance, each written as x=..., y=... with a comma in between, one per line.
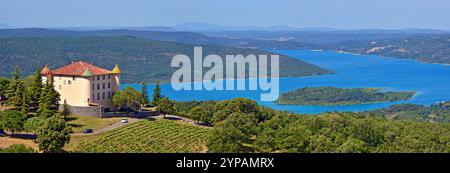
x=116, y=70
x=87, y=73
x=46, y=71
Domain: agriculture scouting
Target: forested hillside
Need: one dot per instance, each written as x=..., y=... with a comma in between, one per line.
x=340, y=96
x=140, y=59
x=425, y=48
x=439, y=112
x=240, y=125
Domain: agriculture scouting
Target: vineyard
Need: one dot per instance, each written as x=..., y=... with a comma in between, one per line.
x=150, y=136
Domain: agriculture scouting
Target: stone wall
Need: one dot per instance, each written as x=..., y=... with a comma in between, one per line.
x=85, y=110
x=142, y=114
x=98, y=111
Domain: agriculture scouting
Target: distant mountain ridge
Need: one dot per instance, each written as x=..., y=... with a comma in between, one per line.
x=387, y=42
x=171, y=36
x=425, y=48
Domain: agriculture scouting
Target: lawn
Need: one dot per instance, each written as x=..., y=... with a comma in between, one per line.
x=149, y=136
x=8, y=141
x=79, y=123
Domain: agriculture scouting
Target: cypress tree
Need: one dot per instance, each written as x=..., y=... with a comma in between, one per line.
x=25, y=100
x=49, y=99
x=12, y=87
x=144, y=92
x=19, y=95
x=36, y=88
x=156, y=94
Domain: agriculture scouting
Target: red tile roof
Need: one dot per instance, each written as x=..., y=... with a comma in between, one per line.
x=78, y=68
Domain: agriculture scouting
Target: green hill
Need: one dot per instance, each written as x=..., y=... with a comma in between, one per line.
x=340, y=96
x=140, y=59
x=425, y=48
x=439, y=112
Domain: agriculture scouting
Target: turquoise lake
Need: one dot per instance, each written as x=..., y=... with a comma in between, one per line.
x=430, y=81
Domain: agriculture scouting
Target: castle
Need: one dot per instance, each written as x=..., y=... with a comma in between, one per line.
x=83, y=86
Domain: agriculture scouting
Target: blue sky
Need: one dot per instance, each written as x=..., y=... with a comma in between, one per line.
x=341, y=14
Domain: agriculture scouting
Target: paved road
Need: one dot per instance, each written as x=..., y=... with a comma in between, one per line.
x=132, y=120
x=115, y=125
x=110, y=127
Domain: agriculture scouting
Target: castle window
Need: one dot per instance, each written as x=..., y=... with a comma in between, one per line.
x=98, y=77
x=103, y=77
x=69, y=82
x=98, y=86
x=109, y=84
x=103, y=85
x=98, y=96
x=93, y=87
x=93, y=97
x=103, y=95
x=109, y=94
x=64, y=82
x=73, y=77
x=109, y=76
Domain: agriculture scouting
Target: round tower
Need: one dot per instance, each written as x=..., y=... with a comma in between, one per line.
x=116, y=72
x=87, y=89
x=46, y=74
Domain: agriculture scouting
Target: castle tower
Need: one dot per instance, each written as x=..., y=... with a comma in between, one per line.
x=116, y=71
x=46, y=74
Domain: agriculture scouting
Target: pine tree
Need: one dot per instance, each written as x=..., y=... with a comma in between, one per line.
x=49, y=99
x=36, y=88
x=12, y=87
x=156, y=94
x=17, y=99
x=144, y=92
x=66, y=110
x=25, y=100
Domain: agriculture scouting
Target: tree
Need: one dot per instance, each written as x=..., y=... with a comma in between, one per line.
x=165, y=106
x=36, y=88
x=156, y=94
x=4, y=83
x=352, y=145
x=197, y=113
x=24, y=105
x=53, y=135
x=33, y=124
x=201, y=114
x=12, y=87
x=16, y=98
x=233, y=134
x=49, y=99
x=225, y=108
x=13, y=120
x=144, y=92
x=128, y=99
x=66, y=110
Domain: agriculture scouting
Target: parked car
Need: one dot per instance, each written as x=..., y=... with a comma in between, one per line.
x=2, y=132
x=88, y=131
x=124, y=120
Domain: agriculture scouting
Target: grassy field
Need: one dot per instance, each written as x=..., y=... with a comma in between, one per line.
x=8, y=141
x=79, y=123
x=149, y=136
